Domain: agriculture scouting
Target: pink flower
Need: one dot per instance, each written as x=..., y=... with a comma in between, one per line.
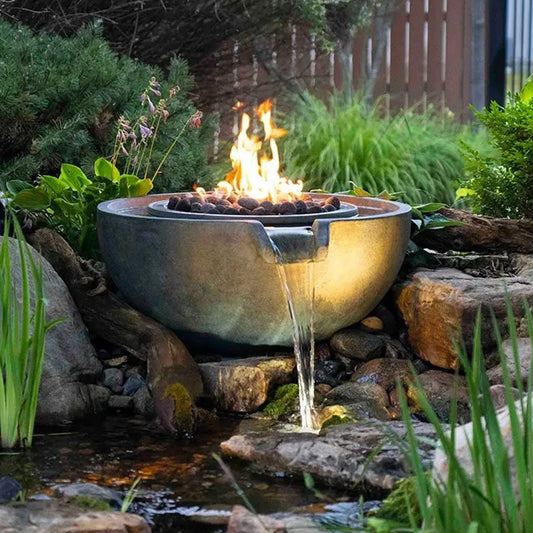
x=155, y=91
x=151, y=106
x=124, y=151
x=145, y=131
x=196, y=120
x=143, y=98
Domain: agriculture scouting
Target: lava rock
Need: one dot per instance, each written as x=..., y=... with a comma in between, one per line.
x=267, y=205
x=208, y=208
x=220, y=208
x=196, y=207
x=328, y=208
x=244, y=211
x=172, y=202
x=357, y=344
x=230, y=211
x=183, y=205
x=9, y=488
x=287, y=208
x=259, y=211
x=301, y=208
x=384, y=372
x=314, y=209
x=132, y=385
x=248, y=203
x=334, y=201
x=211, y=199
x=113, y=379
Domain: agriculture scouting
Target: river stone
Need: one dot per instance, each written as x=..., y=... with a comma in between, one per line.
x=463, y=444
x=244, y=521
x=384, y=372
x=57, y=516
x=242, y=385
x=113, y=379
x=362, y=400
x=70, y=362
x=438, y=305
x=91, y=490
x=499, y=395
x=143, y=403
x=132, y=385
x=356, y=344
x=118, y=401
x=440, y=389
x=338, y=456
x=372, y=324
x=495, y=374
x=9, y=488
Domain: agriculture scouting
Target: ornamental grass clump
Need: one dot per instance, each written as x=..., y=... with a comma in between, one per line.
x=495, y=491
x=23, y=329
x=333, y=144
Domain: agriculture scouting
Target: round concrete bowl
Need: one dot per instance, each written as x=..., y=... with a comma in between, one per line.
x=220, y=279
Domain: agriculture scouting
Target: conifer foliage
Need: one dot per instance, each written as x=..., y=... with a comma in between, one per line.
x=60, y=99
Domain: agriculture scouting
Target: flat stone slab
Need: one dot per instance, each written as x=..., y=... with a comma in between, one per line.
x=337, y=457
x=242, y=385
x=57, y=516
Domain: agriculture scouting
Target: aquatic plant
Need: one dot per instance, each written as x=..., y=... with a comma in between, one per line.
x=23, y=329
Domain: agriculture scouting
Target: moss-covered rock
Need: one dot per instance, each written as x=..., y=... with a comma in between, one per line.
x=401, y=503
x=333, y=415
x=284, y=403
x=91, y=502
x=183, y=408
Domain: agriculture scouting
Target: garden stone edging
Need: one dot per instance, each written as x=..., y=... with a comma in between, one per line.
x=337, y=457
x=439, y=305
x=70, y=363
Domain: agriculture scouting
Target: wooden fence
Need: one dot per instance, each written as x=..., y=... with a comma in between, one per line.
x=427, y=61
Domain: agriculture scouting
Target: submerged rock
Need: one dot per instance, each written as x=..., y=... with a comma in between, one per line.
x=362, y=400
x=244, y=521
x=338, y=456
x=284, y=403
x=9, y=488
x=89, y=490
x=242, y=385
x=57, y=516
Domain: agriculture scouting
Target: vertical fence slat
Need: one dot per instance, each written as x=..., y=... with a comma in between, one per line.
x=435, y=87
x=416, y=54
x=466, y=95
x=454, y=51
x=397, y=67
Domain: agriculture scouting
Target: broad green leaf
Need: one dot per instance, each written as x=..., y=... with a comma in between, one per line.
x=105, y=169
x=527, y=91
x=436, y=224
x=74, y=177
x=54, y=184
x=141, y=188
x=34, y=199
x=15, y=186
x=429, y=208
x=359, y=191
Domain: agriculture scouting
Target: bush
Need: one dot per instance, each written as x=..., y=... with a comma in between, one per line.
x=60, y=99
x=330, y=146
x=502, y=185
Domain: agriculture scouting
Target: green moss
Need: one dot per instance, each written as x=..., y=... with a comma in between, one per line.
x=89, y=502
x=400, y=502
x=285, y=401
x=183, y=407
x=336, y=420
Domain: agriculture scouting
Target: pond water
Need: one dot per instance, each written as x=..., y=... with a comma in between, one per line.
x=182, y=485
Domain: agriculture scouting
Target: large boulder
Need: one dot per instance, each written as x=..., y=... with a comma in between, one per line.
x=439, y=307
x=70, y=365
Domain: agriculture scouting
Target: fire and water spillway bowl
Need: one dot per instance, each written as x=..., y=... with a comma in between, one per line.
x=219, y=278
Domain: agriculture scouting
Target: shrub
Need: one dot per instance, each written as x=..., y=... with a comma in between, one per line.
x=502, y=184
x=330, y=146
x=60, y=99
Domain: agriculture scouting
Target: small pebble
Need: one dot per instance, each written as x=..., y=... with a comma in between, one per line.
x=196, y=200
x=259, y=211
x=301, y=207
x=172, y=202
x=183, y=205
x=287, y=208
x=334, y=201
x=230, y=211
x=244, y=211
x=314, y=209
x=220, y=208
x=372, y=323
x=248, y=203
x=196, y=207
x=267, y=204
x=208, y=208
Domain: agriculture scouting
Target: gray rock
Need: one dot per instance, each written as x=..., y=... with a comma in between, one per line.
x=363, y=400
x=57, y=516
x=244, y=521
x=120, y=402
x=495, y=374
x=338, y=456
x=89, y=489
x=99, y=397
x=132, y=385
x=384, y=372
x=356, y=344
x=9, y=488
x=499, y=396
x=113, y=379
x=143, y=403
x=242, y=385
x=70, y=362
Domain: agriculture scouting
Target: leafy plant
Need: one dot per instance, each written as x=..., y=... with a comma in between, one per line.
x=332, y=145
x=23, y=329
x=67, y=203
x=61, y=98
x=501, y=184
x=495, y=495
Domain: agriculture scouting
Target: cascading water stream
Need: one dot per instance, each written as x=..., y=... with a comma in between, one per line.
x=297, y=276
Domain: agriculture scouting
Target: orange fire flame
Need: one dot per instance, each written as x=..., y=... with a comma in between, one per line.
x=254, y=176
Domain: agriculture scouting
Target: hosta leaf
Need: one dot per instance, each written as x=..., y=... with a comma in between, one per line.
x=106, y=169
x=15, y=186
x=54, y=184
x=34, y=199
x=429, y=208
x=74, y=177
x=141, y=188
